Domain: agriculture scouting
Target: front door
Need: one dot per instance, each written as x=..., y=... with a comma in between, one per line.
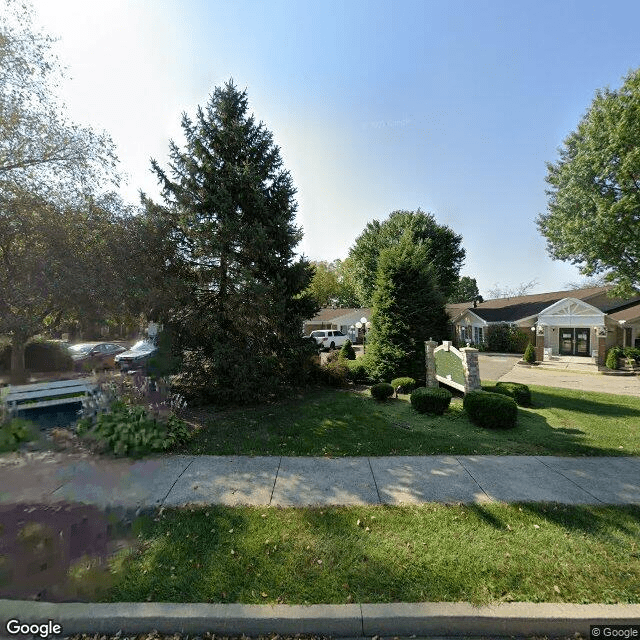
x=574, y=342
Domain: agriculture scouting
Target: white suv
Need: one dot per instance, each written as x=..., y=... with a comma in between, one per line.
x=328, y=338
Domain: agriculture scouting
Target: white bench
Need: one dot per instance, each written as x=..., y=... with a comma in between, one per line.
x=46, y=394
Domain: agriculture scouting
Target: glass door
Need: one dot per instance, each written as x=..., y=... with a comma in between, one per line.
x=574, y=342
x=581, y=342
x=566, y=342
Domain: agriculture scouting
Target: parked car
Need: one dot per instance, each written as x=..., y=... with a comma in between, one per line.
x=95, y=355
x=329, y=338
x=137, y=357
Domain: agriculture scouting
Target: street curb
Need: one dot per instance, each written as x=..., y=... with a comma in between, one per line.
x=351, y=620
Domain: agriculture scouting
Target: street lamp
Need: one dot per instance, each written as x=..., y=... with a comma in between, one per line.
x=364, y=325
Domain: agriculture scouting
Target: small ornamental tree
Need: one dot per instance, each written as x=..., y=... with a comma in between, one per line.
x=529, y=354
x=348, y=351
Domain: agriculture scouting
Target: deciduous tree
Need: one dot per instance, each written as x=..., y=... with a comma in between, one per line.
x=593, y=216
x=443, y=249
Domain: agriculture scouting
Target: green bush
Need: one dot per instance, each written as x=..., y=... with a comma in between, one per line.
x=491, y=410
x=335, y=371
x=347, y=351
x=356, y=370
x=382, y=391
x=504, y=338
x=15, y=431
x=632, y=353
x=519, y=392
x=612, y=357
x=406, y=384
x=431, y=400
x=529, y=354
x=129, y=430
x=39, y=355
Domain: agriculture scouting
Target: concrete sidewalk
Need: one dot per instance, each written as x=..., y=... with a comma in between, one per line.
x=302, y=481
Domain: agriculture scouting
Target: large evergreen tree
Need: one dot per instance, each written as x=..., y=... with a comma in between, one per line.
x=408, y=308
x=231, y=204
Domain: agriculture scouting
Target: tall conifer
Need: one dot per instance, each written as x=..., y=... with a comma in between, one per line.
x=232, y=208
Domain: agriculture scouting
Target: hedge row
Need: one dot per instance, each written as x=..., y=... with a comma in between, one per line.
x=39, y=356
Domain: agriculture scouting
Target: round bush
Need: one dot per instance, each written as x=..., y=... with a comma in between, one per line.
x=491, y=410
x=406, y=384
x=382, y=391
x=519, y=392
x=431, y=400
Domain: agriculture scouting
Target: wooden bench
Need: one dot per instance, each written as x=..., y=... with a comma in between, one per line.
x=46, y=394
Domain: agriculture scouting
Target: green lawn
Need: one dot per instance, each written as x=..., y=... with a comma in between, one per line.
x=480, y=554
x=343, y=423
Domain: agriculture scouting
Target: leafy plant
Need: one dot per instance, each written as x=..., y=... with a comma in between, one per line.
x=15, y=431
x=431, y=400
x=382, y=391
x=491, y=410
x=131, y=430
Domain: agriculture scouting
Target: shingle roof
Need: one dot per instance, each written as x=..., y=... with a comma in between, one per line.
x=627, y=314
x=329, y=313
x=517, y=308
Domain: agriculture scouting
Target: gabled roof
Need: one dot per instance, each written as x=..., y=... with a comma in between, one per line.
x=520, y=307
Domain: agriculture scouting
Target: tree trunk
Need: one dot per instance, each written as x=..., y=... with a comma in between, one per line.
x=18, y=372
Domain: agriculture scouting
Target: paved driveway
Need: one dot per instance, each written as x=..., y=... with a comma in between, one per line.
x=495, y=365
x=620, y=385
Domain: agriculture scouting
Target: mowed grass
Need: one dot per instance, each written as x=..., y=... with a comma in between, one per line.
x=344, y=423
x=474, y=553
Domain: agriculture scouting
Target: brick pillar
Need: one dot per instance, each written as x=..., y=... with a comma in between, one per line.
x=430, y=363
x=539, y=346
x=471, y=369
x=602, y=350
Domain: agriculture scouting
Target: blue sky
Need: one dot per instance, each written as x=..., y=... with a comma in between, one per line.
x=453, y=107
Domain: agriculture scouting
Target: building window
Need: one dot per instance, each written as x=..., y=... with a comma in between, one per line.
x=477, y=335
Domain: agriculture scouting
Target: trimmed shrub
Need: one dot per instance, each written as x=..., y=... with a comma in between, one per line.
x=529, y=354
x=431, y=400
x=519, y=392
x=335, y=371
x=347, y=351
x=491, y=410
x=612, y=357
x=406, y=384
x=356, y=370
x=382, y=391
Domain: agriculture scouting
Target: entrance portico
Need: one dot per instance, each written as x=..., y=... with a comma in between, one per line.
x=571, y=327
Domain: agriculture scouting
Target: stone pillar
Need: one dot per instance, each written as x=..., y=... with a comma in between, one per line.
x=602, y=350
x=540, y=344
x=430, y=363
x=471, y=369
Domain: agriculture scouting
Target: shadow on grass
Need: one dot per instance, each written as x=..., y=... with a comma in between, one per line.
x=588, y=519
x=606, y=406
